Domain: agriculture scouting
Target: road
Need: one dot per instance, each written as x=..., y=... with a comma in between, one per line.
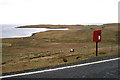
x=107, y=68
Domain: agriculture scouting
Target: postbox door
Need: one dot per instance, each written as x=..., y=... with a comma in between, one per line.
x=97, y=36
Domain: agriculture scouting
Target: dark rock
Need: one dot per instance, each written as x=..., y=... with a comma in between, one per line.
x=33, y=34
x=77, y=57
x=64, y=59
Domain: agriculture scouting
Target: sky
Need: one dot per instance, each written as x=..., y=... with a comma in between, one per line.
x=58, y=11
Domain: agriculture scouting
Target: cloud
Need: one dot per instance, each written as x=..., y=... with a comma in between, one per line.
x=58, y=11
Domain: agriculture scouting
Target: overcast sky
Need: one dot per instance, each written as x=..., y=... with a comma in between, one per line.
x=58, y=11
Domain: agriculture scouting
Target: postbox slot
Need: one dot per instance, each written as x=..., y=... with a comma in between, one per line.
x=99, y=33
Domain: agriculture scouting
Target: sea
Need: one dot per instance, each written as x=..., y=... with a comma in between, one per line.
x=11, y=30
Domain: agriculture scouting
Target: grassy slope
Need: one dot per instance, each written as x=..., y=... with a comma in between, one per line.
x=52, y=47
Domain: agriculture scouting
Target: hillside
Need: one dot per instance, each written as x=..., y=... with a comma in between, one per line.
x=52, y=48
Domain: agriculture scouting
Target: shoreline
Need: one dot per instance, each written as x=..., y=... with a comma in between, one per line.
x=51, y=48
x=61, y=26
x=32, y=34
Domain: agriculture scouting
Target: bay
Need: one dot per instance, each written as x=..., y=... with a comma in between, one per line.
x=10, y=31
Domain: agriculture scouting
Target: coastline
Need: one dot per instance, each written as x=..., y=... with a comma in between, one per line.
x=51, y=48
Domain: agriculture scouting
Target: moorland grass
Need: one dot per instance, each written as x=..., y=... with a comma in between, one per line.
x=52, y=48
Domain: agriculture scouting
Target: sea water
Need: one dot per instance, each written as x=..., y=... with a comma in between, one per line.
x=11, y=31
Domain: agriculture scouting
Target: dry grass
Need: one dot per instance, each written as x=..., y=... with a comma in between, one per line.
x=52, y=47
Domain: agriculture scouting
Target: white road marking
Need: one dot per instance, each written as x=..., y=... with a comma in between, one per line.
x=22, y=74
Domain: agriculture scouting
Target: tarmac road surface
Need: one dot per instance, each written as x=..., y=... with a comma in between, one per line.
x=107, y=68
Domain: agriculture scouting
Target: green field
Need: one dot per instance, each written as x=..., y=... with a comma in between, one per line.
x=52, y=48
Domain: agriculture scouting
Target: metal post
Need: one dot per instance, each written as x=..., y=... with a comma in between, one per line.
x=96, y=48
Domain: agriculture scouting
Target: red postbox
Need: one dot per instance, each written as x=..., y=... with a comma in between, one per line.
x=97, y=35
